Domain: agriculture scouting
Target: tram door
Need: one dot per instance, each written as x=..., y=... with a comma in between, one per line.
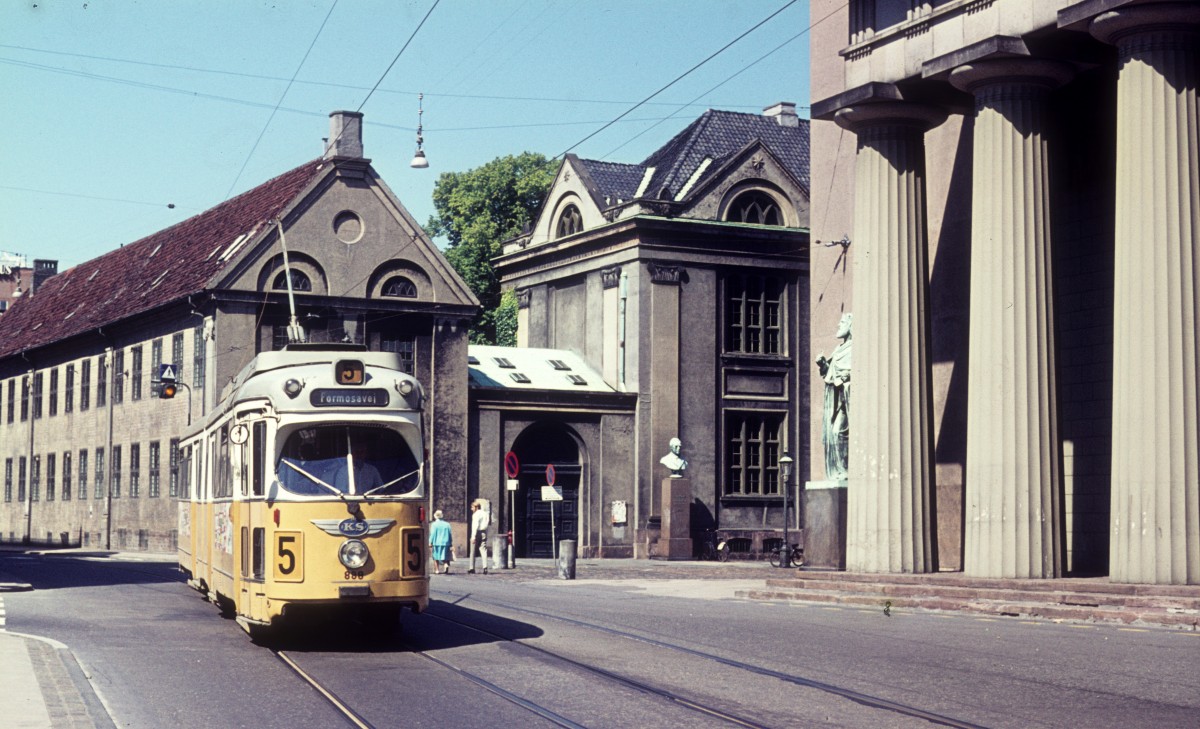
x=251, y=441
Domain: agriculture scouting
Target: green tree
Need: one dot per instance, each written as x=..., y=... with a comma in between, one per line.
x=475, y=211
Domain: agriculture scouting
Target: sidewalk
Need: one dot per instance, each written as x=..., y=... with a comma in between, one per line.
x=43, y=684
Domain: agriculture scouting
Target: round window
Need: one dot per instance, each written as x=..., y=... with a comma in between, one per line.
x=348, y=227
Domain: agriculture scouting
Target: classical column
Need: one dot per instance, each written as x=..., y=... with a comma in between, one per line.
x=1013, y=471
x=1156, y=386
x=890, y=523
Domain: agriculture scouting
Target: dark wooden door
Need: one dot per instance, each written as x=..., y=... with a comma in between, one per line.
x=537, y=536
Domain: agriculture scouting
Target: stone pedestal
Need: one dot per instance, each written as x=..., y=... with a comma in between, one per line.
x=675, y=541
x=825, y=525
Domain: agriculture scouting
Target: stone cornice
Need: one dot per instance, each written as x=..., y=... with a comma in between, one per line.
x=630, y=238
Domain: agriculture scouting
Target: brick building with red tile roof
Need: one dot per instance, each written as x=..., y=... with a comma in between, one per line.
x=82, y=433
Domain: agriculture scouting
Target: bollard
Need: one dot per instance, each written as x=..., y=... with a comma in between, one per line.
x=566, y=559
x=499, y=552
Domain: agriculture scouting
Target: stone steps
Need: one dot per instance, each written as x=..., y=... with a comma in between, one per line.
x=1080, y=599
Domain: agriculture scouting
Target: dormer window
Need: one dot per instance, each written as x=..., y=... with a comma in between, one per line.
x=401, y=287
x=300, y=281
x=570, y=222
x=755, y=207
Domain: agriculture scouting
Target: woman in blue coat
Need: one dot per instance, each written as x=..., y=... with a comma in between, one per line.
x=441, y=542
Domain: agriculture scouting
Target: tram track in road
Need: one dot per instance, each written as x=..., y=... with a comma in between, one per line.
x=352, y=717
x=873, y=702
x=641, y=686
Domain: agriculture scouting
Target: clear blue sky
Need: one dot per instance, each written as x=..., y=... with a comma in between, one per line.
x=112, y=110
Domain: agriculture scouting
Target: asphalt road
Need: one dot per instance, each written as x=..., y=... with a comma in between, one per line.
x=521, y=648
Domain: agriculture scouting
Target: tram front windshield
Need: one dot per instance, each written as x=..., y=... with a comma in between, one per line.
x=348, y=459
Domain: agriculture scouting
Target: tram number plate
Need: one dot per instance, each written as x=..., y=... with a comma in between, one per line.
x=413, y=562
x=289, y=557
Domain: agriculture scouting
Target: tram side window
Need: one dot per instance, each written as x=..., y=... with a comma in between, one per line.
x=185, y=472
x=222, y=473
x=200, y=490
x=258, y=444
x=260, y=551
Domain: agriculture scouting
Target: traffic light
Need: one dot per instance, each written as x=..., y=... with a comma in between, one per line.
x=166, y=376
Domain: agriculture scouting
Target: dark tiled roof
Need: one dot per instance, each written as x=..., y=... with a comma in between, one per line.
x=164, y=267
x=719, y=134
x=614, y=180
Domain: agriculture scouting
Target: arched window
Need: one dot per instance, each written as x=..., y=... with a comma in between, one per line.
x=569, y=223
x=401, y=287
x=755, y=207
x=300, y=281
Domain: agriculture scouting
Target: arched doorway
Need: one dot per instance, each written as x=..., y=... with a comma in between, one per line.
x=537, y=446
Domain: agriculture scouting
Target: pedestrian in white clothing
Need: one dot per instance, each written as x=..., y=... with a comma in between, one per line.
x=481, y=520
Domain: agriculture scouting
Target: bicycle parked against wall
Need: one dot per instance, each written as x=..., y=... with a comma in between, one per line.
x=795, y=556
x=713, y=548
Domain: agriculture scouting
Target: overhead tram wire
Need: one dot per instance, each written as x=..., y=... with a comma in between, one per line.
x=678, y=78
x=739, y=72
x=388, y=70
x=400, y=53
x=281, y=98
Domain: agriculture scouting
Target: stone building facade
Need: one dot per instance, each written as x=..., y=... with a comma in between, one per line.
x=680, y=283
x=1017, y=181
x=88, y=448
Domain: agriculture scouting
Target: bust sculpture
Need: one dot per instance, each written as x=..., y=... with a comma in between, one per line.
x=673, y=461
x=835, y=370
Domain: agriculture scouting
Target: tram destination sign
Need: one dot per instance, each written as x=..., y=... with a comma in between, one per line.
x=344, y=397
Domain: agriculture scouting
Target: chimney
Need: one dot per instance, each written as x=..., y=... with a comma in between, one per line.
x=345, y=135
x=42, y=270
x=784, y=112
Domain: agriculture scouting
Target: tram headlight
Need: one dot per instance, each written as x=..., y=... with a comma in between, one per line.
x=354, y=554
x=404, y=387
x=292, y=387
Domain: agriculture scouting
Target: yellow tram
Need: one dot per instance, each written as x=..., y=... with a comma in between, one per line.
x=302, y=492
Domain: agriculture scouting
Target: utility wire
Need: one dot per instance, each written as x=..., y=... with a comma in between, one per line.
x=397, y=58
x=677, y=79
x=264, y=77
x=91, y=197
x=739, y=72
x=281, y=98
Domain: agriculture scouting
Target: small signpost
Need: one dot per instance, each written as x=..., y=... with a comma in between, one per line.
x=512, y=469
x=552, y=493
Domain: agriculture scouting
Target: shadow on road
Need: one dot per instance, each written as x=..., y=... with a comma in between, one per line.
x=58, y=570
x=443, y=626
